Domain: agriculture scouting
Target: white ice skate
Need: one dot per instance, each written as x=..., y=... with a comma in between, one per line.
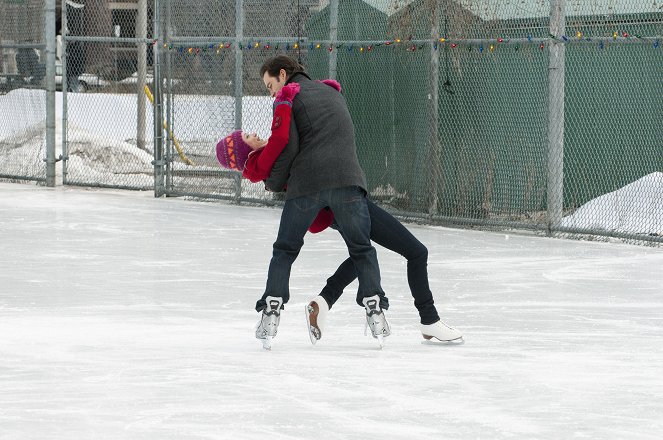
x=269, y=321
x=316, y=315
x=375, y=319
x=442, y=332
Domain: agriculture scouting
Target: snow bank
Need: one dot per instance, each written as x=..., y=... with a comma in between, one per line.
x=101, y=133
x=21, y=111
x=636, y=208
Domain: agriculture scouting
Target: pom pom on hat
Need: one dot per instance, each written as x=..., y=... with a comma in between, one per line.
x=232, y=152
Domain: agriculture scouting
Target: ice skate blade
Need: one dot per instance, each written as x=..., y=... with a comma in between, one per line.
x=431, y=340
x=380, y=339
x=314, y=334
x=267, y=343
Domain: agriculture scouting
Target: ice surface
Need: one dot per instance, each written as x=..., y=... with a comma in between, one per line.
x=123, y=316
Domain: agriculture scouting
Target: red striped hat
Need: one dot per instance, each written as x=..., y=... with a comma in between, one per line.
x=232, y=152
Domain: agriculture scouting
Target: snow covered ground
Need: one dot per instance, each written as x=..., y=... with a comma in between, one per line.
x=123, y=316
x=636, y=208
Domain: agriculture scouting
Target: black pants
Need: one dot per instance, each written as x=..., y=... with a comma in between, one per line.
x=353, y=218
x=390, y=233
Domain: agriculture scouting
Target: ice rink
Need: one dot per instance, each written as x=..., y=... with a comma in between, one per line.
x=123, y=316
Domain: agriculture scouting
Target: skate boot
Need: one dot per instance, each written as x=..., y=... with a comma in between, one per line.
x=316, y=315
x=269, y=321
x=441, y=331
x=375, y=319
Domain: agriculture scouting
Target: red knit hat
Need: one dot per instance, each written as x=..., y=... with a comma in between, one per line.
x=232, y=152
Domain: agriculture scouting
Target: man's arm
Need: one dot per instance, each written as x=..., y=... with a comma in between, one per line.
x=281, y=170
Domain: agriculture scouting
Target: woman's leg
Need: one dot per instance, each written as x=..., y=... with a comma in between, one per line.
x=388, y=232
x=344, y=275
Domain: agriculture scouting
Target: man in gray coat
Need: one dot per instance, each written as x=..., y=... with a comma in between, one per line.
x=325, y=172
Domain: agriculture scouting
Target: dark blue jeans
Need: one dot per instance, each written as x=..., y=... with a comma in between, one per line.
x=351, y=215
x=390, y=233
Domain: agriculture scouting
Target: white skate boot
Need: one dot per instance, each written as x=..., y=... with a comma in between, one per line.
x=316, y=315
x=375, y=319
x=269, y=321
x=441, y=331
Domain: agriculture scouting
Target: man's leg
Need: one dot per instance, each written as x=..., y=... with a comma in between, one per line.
x=297, y=216
x=354, y=222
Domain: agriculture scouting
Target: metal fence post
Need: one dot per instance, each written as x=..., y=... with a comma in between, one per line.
x=168, y=83
x=63, y=59
x=159, y=161
x=239, y=68
x=49, y=37
x=333, y=37
x=434, y=96
x=141, y=32
x=555, y=189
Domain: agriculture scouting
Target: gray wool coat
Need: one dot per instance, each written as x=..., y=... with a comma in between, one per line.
x=321, y=152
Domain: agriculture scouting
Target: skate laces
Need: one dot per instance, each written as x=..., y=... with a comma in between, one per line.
x=269, y=319
x=273, y=308
x=375, y=318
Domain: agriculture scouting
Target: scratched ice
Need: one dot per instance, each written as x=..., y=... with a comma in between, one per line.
x=123, y=316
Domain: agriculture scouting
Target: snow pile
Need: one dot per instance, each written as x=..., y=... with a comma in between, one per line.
x=22, y=152
x=22, y=139
x=20, y=111
x=100, y=159
x=637, y=208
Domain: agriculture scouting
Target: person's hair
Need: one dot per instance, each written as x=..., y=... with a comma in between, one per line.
x=274, y=65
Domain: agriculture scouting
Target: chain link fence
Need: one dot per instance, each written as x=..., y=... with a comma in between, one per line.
x=512, y=114
x=109, y=128
x=22, y=91
x=210, y=56
x=526, y=114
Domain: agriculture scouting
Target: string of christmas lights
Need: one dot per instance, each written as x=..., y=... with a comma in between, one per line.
x=411, y=45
